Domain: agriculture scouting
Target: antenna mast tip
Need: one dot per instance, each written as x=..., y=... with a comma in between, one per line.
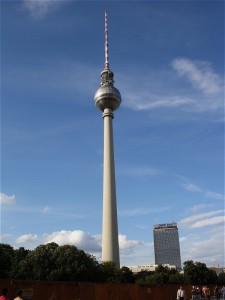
x=106, y=42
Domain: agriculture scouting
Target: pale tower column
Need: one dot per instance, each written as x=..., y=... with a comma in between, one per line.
x=108, y=99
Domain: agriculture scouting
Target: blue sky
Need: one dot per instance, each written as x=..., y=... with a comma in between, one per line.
x=168, y=61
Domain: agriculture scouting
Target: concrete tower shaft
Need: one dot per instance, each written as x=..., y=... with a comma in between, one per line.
x=107, y=99
x=110, y=245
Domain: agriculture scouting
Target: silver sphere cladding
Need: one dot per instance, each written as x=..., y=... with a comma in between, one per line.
x=107, y=96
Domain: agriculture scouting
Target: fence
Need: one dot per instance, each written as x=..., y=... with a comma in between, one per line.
x=55, y=290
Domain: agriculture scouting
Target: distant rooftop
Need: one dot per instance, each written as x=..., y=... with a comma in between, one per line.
x=166, y=225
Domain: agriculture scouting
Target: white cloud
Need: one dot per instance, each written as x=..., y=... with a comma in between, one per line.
x=200, y=74
x=183, y=238
x=196, y=218
x=198, y=207
x=46, y=210
x=213, y=195
x=40, y=8
x=134, y=251
x=141, y=254
x=163, y=102
x=209, y=222
x=26, y=238
x=142, y=100
x=4, y=236
x=191, y=187
x=83, y=240
x=87, y=242
x=126, y=244
x=196, y=189
x=5, y=199
x=80, y=239
x=160, y=90
x=208, y=247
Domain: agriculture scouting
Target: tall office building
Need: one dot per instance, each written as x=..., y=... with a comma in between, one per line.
x=107, y=99
x=166, y=244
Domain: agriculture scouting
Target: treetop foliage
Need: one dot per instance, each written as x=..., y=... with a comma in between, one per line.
x=68, y=263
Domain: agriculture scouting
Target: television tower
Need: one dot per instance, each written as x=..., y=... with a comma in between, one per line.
x=107, y=99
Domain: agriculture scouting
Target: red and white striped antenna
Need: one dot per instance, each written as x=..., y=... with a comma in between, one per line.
x=106, y=42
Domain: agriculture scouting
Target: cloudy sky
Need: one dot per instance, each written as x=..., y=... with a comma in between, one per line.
x=168, y=61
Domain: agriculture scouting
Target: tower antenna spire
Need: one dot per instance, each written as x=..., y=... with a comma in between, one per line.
x=106, y=42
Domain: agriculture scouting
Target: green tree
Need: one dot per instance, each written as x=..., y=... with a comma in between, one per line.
x=197, y=273
x=176, y=278
x=162, y=269
x=157, y=278
x=40, y=262
x=211, y=277
x=124, y=275
x=73, y=264
x=162, y=277
x=190, y=275
x=142, y=277
x=108, y=271
x=19, y=269
x=161, y=274
x=221, y=279
x=151, y=279
x=6, y=260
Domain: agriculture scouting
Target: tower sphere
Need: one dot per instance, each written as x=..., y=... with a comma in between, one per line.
x=107, y=96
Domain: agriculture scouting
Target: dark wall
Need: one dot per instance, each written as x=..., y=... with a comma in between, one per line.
x=45, y=290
